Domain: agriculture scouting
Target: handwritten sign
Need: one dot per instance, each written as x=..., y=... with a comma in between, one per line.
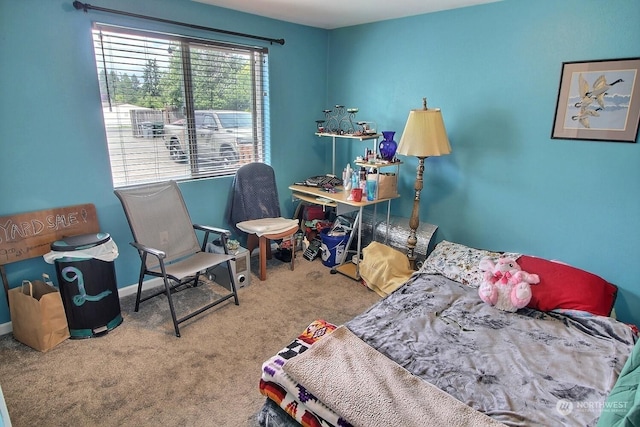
x=28, y=235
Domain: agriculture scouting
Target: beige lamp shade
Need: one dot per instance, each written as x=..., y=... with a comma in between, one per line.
x=424, y=134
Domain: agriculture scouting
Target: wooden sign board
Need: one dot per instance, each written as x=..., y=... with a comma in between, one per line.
x=29, y=235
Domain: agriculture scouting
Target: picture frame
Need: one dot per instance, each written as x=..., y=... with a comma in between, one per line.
x=598, y=100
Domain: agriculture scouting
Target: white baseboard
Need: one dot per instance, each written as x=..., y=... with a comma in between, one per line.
x=6, y=328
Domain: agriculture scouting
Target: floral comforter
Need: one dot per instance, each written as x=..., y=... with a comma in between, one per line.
x=523, y=368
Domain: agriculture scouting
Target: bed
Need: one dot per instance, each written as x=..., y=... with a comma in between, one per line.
x=432, y=353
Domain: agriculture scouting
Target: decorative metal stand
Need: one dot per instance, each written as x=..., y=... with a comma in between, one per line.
x=341, y=121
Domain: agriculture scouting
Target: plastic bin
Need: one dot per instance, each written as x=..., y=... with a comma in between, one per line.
x=157, y=129
x=146, y=129
x=87, y=279
x=333, y=248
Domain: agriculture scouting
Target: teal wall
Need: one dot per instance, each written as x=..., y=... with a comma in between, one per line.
x=54, y=148
x=493, y=69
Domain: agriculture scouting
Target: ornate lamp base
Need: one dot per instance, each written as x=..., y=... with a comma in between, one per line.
x=414, y=221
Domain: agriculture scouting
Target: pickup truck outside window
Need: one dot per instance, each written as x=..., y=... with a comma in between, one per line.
x=220, y=135
x=179, y=108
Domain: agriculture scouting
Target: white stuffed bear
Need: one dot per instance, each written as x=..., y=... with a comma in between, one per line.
x=505, y=285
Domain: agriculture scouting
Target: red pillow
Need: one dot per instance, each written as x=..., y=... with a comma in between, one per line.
x=563, y=286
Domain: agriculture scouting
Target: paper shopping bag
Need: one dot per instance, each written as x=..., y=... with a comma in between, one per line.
x=37, y=315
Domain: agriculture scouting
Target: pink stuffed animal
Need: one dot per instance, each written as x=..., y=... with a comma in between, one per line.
x=505, y=285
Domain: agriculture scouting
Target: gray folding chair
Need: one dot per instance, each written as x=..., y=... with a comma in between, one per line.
x=167, y=243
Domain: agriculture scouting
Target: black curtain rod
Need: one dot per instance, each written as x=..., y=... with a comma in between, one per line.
x=85, y=7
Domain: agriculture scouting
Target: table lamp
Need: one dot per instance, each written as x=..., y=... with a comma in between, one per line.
x=424, y=136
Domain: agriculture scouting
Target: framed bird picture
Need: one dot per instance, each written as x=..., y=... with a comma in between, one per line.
x=599, y=100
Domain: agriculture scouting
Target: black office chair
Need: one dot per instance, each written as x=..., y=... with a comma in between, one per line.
x=255, y=209
x=168, y=245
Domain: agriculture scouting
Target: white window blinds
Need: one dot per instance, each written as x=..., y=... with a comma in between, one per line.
x=179, y=108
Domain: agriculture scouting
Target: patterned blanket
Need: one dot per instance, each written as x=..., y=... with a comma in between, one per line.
x=292, y=397
x=523, y=368
x=350, y=367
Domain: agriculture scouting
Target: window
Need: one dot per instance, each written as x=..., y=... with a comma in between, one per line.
x=179, y=108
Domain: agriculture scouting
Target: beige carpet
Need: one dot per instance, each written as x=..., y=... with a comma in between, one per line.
x=140, y=374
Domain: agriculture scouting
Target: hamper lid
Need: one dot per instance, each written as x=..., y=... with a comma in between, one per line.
x=80, y=242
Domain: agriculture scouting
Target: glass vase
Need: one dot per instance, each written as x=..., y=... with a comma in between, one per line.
x=387, y=146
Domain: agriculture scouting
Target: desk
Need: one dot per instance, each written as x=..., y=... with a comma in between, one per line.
x=339, y=201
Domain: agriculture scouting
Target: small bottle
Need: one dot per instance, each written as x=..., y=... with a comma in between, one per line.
x=372, y=184
x=363, y=179
x=346, y=178
x=371, y=158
